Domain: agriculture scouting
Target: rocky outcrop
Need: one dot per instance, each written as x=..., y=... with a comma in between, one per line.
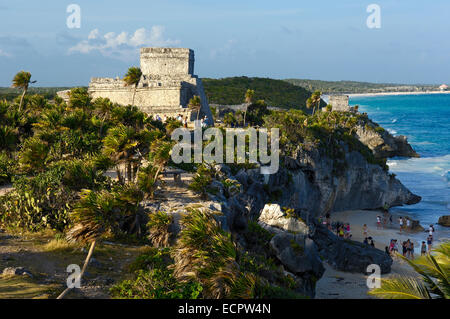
x=382, y=143
x=348, y=255
x=311, y=182
x=444, y=220
x=298, y=253
x=273, y=215
x=16, y=271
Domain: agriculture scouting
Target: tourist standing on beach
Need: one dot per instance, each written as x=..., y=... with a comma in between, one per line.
x=423, y=249
x=365, y=230
x=431, y=230
x=411, y=250
x=400, y=221
x=395, y=246
x=404, y=249
x=408, y=223
x=408, y=248
x=378, y=222
x=429, y=242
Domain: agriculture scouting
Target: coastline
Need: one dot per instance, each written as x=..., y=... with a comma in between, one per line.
x=345, y=285
x=396, y=93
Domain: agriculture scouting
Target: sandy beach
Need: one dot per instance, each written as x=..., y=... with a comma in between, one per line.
x=397, y=93
x=343, y=285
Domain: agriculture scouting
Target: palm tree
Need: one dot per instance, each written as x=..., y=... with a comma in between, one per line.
x=435, y=284
x=195, y=104
x=314, y=101
x=120, y=144
x=248, y=100
x=21, y=81
x=91, y=217
x=160, y=154
x=133, y=77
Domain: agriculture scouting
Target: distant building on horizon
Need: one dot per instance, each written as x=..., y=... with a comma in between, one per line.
x=443, y=87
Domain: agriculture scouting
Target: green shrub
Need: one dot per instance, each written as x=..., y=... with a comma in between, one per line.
x=7, y=169
x=201, y=180
x=206, y=253
x=154, y=280
x=158, y=227
x=38, y=202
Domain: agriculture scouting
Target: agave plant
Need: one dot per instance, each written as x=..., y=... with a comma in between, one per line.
x=434, y=270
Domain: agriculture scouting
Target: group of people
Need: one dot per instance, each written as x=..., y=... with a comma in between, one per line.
x=382, y=221
x=408, y=245
x=180, y=118
x=404, y=223
x=343, y=230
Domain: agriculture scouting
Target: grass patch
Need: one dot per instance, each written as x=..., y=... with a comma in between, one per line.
x=22, y=287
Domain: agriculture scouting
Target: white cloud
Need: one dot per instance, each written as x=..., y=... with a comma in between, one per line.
x=93, y=34
x=122, y=46
x=5, y=54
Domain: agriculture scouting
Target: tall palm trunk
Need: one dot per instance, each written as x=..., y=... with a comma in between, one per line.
x=86, y=263
x=22, y=97
x=245, y=114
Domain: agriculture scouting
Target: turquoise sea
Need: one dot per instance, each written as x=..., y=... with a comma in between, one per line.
x=425, y=120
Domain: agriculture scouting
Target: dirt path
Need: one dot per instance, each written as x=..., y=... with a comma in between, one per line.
x=47, y=259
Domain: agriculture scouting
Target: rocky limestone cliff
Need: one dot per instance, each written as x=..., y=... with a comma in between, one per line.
x=382, y=143
x=310, y=182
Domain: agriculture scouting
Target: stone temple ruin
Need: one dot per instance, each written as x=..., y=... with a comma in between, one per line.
x=166, y=86
x=339, y=102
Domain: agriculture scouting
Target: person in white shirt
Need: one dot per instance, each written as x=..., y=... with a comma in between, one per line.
x=400, y=221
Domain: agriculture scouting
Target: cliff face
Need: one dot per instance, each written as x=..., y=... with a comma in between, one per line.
x=382, y=143
x=310, y=182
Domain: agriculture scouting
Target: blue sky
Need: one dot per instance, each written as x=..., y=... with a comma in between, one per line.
x=327, y=40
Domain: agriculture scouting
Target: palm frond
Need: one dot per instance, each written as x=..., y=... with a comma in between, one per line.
x=401, y=288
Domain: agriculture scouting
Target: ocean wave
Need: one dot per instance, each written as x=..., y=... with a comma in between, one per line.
x=393, y=132
x=394, y=121
x=436, y=165
x=424, y=143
